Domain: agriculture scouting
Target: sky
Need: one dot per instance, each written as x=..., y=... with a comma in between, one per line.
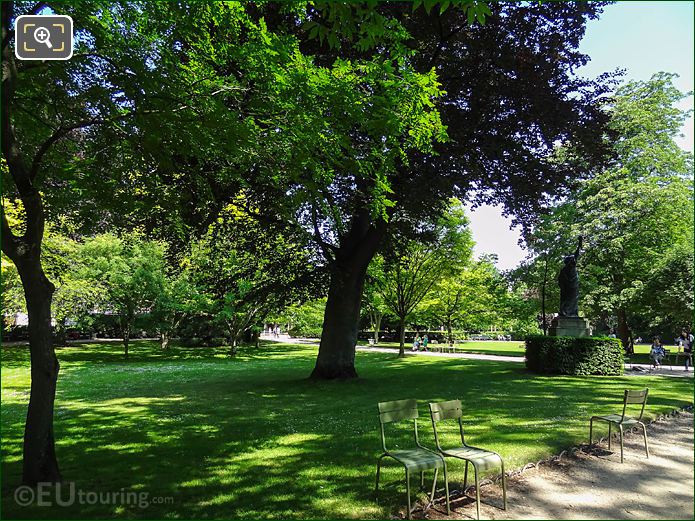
x=641, y=37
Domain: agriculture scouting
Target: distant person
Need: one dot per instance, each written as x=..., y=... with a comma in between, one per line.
x=638, y=340
x=682, y=340
x=686, y=339
x=425, y=341
x=612, y=334
x=416, y=343
x=657, y=352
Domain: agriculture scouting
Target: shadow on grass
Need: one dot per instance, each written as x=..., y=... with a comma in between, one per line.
x=251, y=437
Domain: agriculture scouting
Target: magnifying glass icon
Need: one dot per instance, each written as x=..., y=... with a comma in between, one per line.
x=43, y=35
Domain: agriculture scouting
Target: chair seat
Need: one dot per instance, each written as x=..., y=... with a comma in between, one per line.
x=481, y=458
x=417, y=459
x=616, y=418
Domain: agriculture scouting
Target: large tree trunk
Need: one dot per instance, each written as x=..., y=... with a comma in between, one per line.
x=336, y=358
x=40, y=463
x=349, y=262
x=401, y=332
x=449, y=332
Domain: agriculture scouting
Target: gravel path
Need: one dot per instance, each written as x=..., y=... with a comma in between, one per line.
x=598, y=486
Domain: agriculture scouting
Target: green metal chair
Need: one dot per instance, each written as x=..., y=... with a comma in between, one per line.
x=629, y=398
x=416, y=459
x=482, y=459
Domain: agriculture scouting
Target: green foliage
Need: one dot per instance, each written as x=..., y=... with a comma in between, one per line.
x=12, y=292
x=247, y=270
x=414, y=265
x=303, y=320
x=363, y=25
x=132, y=272
x=574, y=356
x=178, y=299
x=77, y=292
x=636, y=218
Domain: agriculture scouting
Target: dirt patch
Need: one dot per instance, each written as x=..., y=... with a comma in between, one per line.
x=597, y=485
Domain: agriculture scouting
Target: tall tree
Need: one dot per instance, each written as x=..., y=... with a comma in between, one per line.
x=373, y=300
x=85, y=137
x=637, y=211
x=48, y=111
x=470, y=298
x=132, y=272
x=416, y=265
x=248, y=271
x=507, y=105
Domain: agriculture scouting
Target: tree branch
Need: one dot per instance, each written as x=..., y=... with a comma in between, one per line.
x=328, y=250
x=9, y=240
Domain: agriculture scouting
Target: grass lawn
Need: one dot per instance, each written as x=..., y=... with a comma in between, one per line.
x=516, y=348
x=488, y=347
x=252, y=438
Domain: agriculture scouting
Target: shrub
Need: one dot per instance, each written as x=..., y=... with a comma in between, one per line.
x=574, y=356
x=305, y=331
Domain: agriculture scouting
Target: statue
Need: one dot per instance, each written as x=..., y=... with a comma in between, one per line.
x=569, y=285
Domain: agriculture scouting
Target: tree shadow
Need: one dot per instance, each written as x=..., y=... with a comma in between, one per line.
x=251, y=437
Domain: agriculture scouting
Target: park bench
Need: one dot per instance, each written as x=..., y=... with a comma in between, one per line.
x=481, y=459
x=447, y=348
x=414, y=459
x=630, y=397
x=677, y=354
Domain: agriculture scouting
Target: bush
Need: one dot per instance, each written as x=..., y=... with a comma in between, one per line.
x=305, y=331
x=574, y=356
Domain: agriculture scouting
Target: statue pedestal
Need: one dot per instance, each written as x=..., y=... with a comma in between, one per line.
x=570, y=326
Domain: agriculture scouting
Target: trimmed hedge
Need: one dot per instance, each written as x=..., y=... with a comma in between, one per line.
x=574, y=356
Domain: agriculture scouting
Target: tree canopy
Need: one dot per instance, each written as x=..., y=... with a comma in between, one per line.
x=223, y=160
x=636, y=217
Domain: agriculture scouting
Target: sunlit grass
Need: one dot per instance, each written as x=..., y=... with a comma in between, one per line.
x=516, y=348
x=251, y=437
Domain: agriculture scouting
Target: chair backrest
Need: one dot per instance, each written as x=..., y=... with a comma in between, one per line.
x=449, y=410
x=394, y=411
x=633, y=396
x=446, y=410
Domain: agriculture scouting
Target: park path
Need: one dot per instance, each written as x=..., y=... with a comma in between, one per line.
x=598, y=486
x=631, y=369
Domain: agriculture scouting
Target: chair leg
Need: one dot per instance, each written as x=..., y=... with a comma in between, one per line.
x=591, y=431
x=646, y=445
x=621, y=442
x=434, y=485
x=609, y=435
x=378, y=473
x=465, y=477
x=504, y=486
x=477, y=492
x=446, y=490
x=407, y=491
